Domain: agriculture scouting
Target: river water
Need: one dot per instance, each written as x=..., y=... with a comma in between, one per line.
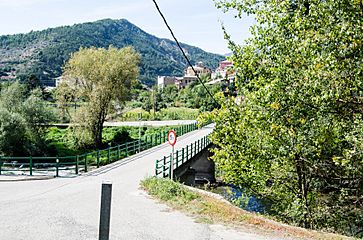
x=240, y=198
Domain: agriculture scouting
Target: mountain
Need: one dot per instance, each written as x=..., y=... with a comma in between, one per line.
x=43, y=53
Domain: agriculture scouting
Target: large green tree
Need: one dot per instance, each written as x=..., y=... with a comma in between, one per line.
x=103, y=78
x=296, y=138
x=23, y=120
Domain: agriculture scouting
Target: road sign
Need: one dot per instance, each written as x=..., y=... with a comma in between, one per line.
x=172, y=137
x=172, y=141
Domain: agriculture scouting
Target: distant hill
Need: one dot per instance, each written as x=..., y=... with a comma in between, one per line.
x=43, y=53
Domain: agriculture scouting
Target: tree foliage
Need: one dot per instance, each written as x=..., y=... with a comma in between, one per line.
x=296, y=138
x=22, y=121
x=192, y=96
x=103, y=79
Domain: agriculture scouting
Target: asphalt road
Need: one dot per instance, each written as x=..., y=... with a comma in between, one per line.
x=68, y=208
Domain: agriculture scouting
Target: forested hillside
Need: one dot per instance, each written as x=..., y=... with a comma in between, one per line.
x=43, y=53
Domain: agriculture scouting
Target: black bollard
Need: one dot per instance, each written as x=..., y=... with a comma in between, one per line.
x=105, y=213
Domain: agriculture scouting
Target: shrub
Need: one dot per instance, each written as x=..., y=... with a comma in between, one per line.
x=13, y=133
x=168, y=190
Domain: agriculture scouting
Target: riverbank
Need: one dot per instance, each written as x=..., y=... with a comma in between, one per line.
x=211, y=208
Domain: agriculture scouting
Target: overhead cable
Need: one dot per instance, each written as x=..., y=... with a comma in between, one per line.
x=181, y=49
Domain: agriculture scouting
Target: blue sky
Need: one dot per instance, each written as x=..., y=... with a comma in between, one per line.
x=195, y=22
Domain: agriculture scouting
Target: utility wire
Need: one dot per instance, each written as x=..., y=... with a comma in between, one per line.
x=181, y=49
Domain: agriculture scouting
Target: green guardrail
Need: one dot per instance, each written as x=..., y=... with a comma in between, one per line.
x=83, y=162
x=163, y=166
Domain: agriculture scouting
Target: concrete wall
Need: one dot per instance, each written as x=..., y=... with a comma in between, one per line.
x=198, y=170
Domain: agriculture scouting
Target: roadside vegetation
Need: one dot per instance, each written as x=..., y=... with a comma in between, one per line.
x=296, y=138
x=28, y=109
x=102, y=78
x=172, y=113
x=61, y=141
x=169, y=103
x=25, y=131
x=208, y=209
x=23, y=119
x=193, y=96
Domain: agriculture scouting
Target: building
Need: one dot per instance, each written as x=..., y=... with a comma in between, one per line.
x=58, y=81
x=224, y=69
x=199, y=69
x=224, y=73
x=225, y=64
x=189, y=77
x=163, y=81
x=184, y=81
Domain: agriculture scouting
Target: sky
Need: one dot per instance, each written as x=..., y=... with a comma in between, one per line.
x=195, y=22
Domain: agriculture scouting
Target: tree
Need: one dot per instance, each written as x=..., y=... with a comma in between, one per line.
x=101, y=77
x=146, y=98
x=296, y=138
x=13, y=133
x=168, y=95
x=156, y=100
x=36, y=114
x=65, y=96
x=31, y=82
x=196, y=96
x=23, y=120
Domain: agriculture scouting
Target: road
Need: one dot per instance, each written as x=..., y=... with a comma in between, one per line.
x=68, y=208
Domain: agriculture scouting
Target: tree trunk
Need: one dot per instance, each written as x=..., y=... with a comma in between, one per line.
x=303, y=189
x=98, y=127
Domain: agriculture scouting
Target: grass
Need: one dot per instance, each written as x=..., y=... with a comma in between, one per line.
x=168, y=191
x=133, y=115
x=177, y=113
x=172, y=113
x=209, y=210
x=60, y=142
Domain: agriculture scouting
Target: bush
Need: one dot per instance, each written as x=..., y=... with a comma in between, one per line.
x=174, y=113
x=23, y=119
x=133, y=115
x=168, y=190
x=13, y=133
x=59, y=142
x=116, y=135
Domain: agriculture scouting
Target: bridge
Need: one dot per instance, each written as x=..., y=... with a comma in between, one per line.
x=70, y=165
x=67, y=208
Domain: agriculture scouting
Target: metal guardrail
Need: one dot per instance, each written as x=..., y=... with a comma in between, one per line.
x=163, y=166
x=82, y=163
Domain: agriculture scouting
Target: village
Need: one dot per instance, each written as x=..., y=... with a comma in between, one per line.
x=224, y=73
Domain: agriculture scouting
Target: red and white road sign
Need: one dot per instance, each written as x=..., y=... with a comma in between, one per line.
x=172, y=137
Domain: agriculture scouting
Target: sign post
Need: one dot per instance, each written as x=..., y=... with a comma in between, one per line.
x=105, y=212
x=172, y=141
x=139, y=117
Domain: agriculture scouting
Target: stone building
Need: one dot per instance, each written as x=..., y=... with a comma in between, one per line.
x=199, y=68
x=189, y=77
x=163, y=81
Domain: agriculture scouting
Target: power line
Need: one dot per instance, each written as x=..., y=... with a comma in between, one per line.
x=181, y=49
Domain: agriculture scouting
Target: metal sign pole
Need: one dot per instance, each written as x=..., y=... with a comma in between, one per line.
x=139, y=118
x=172, y=163
x=172, y=140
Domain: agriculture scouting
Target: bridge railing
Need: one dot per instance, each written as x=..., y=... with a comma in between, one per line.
x=82, y=163
x=163, y=166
